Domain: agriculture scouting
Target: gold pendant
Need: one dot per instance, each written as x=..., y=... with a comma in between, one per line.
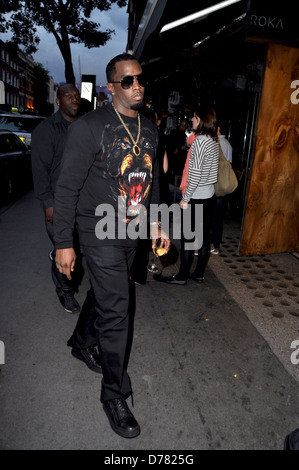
x=136, y=150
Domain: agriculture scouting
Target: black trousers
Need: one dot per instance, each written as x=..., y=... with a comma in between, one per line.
x=106, y=318
x=204, y=251
x=139, y=267
x=217, y=229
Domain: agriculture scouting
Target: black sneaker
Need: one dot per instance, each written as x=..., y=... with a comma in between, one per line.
x=121, y=418
x=196, y=278
x=176, y=280
x=90, y=356
x=69, y=302
x=170, y=279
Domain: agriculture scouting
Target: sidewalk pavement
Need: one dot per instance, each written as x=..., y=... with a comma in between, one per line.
x=210, y=365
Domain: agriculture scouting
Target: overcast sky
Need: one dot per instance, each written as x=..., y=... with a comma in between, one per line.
x=91, y=61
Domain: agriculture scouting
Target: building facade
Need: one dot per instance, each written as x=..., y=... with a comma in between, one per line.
x=9, y=76
x=26, y=82
x=17, y=80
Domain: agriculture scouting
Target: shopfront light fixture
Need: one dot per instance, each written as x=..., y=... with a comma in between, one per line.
x=221, y=30
x=197, y=15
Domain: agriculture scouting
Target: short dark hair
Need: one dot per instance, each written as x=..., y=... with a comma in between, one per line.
x=65, y=88
x=110, y=69
x=224, y=126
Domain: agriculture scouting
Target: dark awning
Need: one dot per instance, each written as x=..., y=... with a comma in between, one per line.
x=169, y=27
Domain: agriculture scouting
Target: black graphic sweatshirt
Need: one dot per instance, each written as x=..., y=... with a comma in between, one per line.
x=103, y=185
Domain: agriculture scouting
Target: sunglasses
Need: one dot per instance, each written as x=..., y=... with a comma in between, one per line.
x=127, y=82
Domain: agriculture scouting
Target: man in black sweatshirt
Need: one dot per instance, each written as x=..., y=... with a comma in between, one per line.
x=109, y=177
x=48, y=141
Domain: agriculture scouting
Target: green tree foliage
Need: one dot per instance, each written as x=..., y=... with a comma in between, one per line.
x=6, y=6
x=68, y=20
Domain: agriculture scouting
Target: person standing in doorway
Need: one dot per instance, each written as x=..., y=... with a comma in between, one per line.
x=221, y=201
x=176, y=147
x=109, y=173
x=48, y=141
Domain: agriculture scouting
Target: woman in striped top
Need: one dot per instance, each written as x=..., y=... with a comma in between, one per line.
x=202, y=174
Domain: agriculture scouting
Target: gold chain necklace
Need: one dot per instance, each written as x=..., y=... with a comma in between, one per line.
x=136, y=149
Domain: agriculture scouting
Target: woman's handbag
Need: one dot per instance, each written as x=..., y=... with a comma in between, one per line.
x=227, y=181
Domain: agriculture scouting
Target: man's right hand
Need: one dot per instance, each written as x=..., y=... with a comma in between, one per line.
x=65, y=261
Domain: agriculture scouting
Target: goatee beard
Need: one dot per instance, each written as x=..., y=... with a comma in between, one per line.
x=137, y=106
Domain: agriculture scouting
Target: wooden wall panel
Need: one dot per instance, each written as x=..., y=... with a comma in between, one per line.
x=271, y=211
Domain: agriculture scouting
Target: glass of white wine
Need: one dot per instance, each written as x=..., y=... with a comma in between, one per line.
x=158, y=250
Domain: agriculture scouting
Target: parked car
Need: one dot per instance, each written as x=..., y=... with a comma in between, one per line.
x=21, y=124
x=15, y=167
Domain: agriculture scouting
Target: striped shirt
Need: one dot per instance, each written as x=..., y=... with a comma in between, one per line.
x=203, y=168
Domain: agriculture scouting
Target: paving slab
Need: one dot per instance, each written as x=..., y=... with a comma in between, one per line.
x=204, y=375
